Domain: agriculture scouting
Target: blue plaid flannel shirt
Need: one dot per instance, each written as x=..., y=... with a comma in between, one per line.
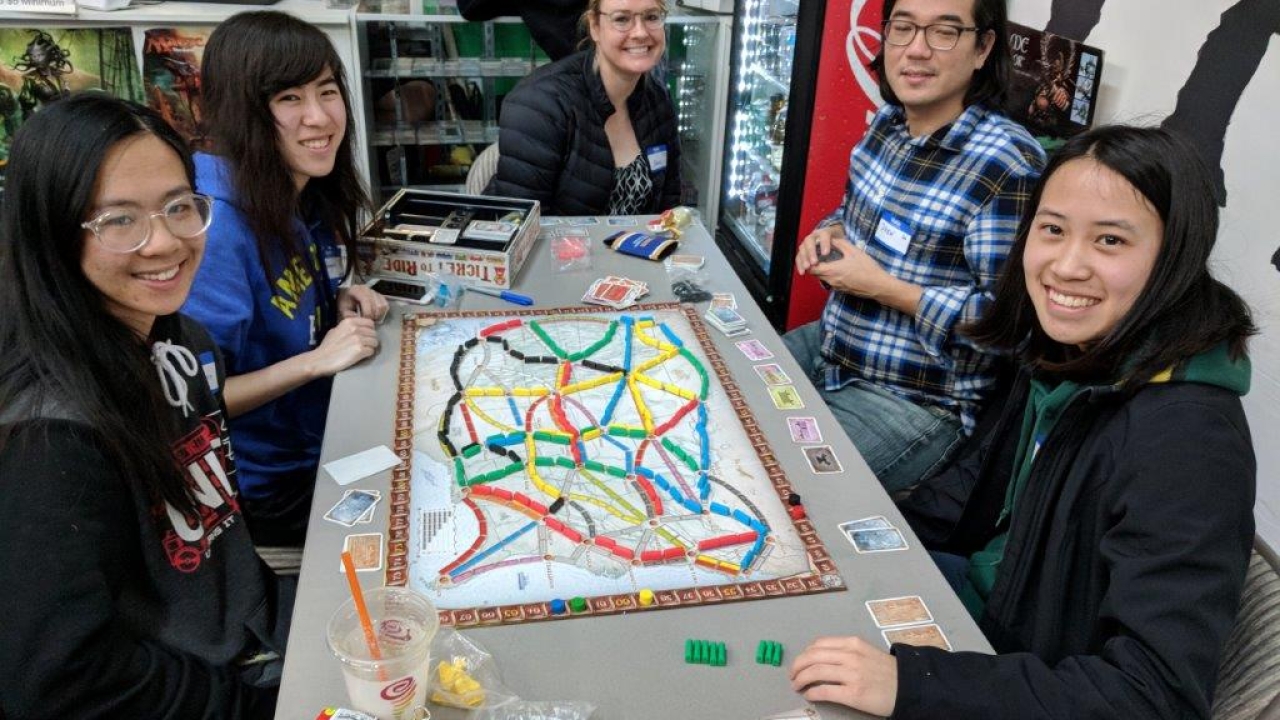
x=961, y=191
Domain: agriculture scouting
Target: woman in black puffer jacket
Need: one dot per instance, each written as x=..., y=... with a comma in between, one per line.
x=595, y=133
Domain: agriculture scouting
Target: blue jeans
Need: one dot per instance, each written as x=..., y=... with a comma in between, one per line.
x=955, y=568
x=901, y=441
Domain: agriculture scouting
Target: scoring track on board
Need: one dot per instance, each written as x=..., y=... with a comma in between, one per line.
x=579, y=453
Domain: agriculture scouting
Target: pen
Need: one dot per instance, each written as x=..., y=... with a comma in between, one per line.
x=504, y=294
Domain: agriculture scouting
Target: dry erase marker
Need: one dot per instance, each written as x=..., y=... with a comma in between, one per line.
x=504, y=294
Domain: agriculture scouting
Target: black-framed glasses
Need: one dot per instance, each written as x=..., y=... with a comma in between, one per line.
x=623, y=21
x=939, y=36
x=125, y=230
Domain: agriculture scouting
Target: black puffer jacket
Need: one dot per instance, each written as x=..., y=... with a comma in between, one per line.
x=554, y=149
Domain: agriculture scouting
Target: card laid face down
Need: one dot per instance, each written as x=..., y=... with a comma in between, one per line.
x=892, y=612
x=366, y=551
x=355, y=506
x=877, y=540
x=927, y=635
x=875, y=522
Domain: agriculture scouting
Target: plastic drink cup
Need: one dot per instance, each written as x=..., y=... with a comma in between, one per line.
x=404, y=622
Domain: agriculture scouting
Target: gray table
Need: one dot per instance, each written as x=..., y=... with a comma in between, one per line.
x=631, y=666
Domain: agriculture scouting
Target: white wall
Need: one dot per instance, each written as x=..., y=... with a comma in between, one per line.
x=1150, y=48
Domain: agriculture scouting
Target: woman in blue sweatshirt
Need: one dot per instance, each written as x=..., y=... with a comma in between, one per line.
x=286, y=202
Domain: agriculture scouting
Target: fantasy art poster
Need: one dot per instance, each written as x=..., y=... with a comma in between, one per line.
x=171, y=74
x=1054, y=87
x=38, y=66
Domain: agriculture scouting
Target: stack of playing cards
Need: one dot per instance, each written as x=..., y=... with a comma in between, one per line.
x=873, y=535
x=907, y=620
x=687, y=262
x=726, y=320
x=724, y=300
x=616, y=292
x=366, y=551
x=489, y=230
x=356, y=506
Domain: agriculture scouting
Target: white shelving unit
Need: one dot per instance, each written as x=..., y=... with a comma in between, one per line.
x=699, y=74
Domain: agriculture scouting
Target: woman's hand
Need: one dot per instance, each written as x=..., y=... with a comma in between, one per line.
x=849, y=671
x=361, y=301
x=349, y=342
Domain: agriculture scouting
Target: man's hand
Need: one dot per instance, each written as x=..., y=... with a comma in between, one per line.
x=857, y=273
x=817, y=244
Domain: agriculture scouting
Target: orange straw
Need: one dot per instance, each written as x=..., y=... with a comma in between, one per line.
x=358, y=596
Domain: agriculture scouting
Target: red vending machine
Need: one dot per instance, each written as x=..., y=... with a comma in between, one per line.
x=800, y=97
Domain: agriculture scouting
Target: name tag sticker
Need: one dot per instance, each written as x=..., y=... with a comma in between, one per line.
x=894, y=233
x=335, y=262
x=657, y=156
x=210, y=367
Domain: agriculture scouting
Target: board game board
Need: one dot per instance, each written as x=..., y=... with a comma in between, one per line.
x=573, y=461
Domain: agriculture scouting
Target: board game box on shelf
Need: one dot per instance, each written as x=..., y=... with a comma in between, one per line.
x=583, y=462
x=483, y=240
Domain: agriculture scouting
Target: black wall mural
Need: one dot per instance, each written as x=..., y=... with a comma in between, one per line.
x=1227, y=61
x=1074, y=18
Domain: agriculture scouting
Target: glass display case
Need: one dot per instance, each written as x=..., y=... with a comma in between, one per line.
x=433, y=87
x=792, y=121
x=760, y=106
x=697, y=76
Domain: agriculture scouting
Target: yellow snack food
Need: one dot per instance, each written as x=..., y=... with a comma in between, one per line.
x=457, y=688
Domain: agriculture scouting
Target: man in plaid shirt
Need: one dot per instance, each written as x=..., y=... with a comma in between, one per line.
x=935, y=192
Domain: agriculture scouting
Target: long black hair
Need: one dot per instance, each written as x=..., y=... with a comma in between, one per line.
x=249, y=58
x=65, y=354
x=990, y=85
x=1181, y=312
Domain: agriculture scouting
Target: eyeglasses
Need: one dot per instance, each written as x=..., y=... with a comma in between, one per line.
x=622, y=21
x=940, y=36
x=125, y=231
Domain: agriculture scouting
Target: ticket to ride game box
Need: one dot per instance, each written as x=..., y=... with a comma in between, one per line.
x=483, y=240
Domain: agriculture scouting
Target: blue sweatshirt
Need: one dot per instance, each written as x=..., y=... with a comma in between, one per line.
x=258, y=321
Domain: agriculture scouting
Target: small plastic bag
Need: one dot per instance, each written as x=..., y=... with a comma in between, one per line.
x=540, y=710
x=687, y=283
x=448, y=291
x=463, y=675
x=571, y=248
x=673, y=221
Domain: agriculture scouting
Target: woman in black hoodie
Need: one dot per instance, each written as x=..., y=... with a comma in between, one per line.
x=131, y=586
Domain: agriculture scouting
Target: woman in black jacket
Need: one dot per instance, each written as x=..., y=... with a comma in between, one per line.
x=1099, y=525
x=595, y=133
